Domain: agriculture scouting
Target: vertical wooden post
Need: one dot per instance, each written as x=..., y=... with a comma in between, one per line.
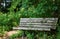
x=23, y=35
x=45, y=35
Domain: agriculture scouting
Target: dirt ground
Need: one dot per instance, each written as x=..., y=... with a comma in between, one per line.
x=7, y=34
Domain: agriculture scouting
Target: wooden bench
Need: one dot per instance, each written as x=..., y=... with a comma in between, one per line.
x=41, y=24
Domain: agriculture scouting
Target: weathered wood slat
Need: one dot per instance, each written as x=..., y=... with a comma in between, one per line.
x=51, y=27
x=25, y=28
x=38, y=26
x=47, y=24
x=38, y=19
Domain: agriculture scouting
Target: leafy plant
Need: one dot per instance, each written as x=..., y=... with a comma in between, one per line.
x=17, y=35
x=30, y=36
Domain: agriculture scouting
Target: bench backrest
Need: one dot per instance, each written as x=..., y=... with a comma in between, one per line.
x=41, y=24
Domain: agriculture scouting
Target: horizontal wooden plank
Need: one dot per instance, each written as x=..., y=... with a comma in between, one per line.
x=38, y=19
x=51, y=27
x=41, y=24
x=37, y=26
x=24, y=28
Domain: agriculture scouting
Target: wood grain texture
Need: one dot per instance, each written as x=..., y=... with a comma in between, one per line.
x=42, y=24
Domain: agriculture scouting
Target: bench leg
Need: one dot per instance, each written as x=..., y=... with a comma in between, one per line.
x=23, y=35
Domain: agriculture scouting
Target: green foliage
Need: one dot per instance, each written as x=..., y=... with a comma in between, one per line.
x=30, y=35
x=58, y=33
x=27, y=9
x=43, y=8
x=17, y=35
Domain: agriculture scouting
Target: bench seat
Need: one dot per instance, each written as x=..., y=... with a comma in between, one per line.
x=42, y=24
